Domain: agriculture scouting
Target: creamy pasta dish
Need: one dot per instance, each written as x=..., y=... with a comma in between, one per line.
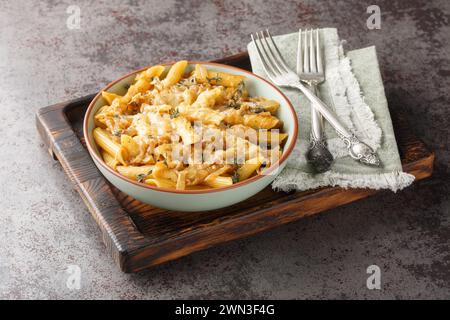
x=188, y=130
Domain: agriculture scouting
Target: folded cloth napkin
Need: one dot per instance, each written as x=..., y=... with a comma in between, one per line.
x=354, y=89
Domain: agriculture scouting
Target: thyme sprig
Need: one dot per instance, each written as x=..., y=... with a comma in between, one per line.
x=235, y=177
x=140, y=177
x=259, y=110
x=174, y=113
x=234, y=101
x=215, y=78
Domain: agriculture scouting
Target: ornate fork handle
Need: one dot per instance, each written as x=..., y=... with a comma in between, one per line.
x=357, y=149
x=360, y=151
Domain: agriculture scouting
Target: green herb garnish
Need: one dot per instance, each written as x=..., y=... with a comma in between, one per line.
x=215, y=78
x=235, y=177
x=116, y=133
x=258, y=110
x=234, y=101
x=174, y=113
x=239, y=90
x=233, y=104
x=140, y=177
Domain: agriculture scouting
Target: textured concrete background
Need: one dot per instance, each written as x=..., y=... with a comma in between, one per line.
x=45, y=226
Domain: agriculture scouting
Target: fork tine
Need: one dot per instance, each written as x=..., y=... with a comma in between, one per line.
x=270, y=61
x=299, y=53
x=312, y=53
x=305, y=53
x=278, y=56
x=261, y=57
x=267, y=68
x=318, y=53
x=275, y=63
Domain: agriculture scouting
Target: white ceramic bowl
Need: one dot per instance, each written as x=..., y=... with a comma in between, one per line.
x=196, y=200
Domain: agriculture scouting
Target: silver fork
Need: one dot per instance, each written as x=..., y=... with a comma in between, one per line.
x=280, y=74
x=310, y=70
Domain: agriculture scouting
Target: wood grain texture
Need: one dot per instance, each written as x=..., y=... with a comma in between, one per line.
x=139, y=235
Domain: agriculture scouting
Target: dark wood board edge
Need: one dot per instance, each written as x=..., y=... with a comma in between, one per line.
x=239, y=60
x=120, y=234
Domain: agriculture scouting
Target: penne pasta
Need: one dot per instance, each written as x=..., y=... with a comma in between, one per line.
x=261, y=121
x=202, y=75
x=151, y=182
x=109, y=160
x=161, y=171
x=162, y=183
x=142, y=84
x=271, y=138
x=151, y=73
x=204, y=115
x=109, y=96
x=208, y=98
x=218, y=172
x=260, y=104
x=215, y=180
x=175, y=73
x=130, y=145
x=248, y=168
x=104, y=140
x=185, y=130
x=181, y=181
x=224, y=79
x=219, y=182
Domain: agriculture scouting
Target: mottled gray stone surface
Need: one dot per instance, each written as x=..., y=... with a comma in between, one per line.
x=45, y=226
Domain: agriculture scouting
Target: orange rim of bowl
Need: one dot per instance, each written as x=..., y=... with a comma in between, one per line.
x=284, y=157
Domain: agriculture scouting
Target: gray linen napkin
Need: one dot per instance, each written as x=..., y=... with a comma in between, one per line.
x=354, y=89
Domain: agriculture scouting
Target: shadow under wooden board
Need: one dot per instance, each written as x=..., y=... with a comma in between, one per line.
x=139, y=236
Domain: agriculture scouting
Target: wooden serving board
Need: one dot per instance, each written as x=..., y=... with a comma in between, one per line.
x=139, y=236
